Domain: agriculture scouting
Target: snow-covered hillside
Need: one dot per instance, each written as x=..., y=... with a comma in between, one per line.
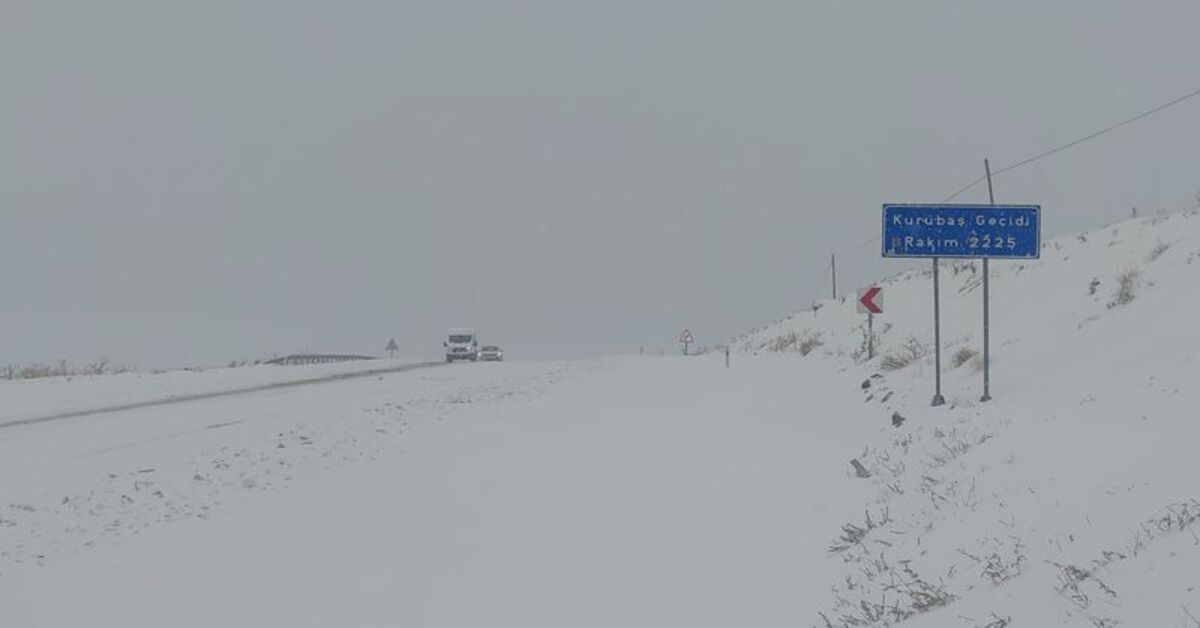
x=1073, y=497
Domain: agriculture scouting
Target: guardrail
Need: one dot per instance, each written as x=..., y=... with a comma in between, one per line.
x=315, y=358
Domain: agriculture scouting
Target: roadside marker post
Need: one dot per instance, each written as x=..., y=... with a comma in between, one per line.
x=968, y=232
x=686, y=339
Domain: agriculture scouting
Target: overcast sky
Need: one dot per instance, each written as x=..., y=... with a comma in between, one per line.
x=193, y=182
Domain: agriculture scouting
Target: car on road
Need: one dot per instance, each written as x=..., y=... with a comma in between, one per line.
x=461, y=343
x=491, y=353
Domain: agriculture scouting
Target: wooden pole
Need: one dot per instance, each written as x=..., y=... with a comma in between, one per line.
x=833, y=273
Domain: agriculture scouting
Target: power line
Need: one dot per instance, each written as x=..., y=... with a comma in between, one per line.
x=964, y=189
x=1046, y=153
x=1057, y=149
x=1076, y=142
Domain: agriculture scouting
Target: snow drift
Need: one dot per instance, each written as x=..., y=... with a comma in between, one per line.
x=1071, y=498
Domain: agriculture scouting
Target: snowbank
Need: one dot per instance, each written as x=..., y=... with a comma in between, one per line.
x=1072, y=498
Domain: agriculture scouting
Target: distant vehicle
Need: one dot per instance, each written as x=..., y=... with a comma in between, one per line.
x=461, y=344
x=491, y=353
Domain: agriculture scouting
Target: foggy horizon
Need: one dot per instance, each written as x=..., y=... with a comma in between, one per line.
x=214, y=182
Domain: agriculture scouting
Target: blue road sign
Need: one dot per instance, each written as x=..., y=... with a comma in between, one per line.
x=993, y=231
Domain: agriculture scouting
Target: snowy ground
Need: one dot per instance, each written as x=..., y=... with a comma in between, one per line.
x=621, y=492
x=74, y=483
x=1073, y=498
x=663, y=491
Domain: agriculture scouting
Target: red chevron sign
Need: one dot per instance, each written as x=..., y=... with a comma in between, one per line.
x=869, y=301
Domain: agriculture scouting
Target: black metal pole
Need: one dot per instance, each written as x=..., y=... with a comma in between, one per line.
x=987, y=362
x=938, y=399
x=870, y=336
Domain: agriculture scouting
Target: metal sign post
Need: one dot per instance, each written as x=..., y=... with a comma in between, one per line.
x=987, y=362
x=686, y=339
x=962, y=231
x=870, y=336
x=938, y=399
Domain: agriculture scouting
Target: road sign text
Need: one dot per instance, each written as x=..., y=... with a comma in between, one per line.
x=999, y=231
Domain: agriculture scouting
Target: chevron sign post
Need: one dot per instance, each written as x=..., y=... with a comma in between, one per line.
x=870, y=302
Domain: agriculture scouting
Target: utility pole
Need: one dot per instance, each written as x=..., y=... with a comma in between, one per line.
x=833, y=273
x=987, y=169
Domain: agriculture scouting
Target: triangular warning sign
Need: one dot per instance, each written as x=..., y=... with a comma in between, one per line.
x=392, y=346
x=686, y=337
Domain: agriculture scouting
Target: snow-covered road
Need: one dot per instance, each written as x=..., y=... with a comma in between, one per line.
x=632, y=492
x=87, y=399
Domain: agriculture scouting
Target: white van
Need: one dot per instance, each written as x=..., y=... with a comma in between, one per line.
x=462, y=343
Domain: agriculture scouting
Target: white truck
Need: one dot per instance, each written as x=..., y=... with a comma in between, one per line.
x=462, y=343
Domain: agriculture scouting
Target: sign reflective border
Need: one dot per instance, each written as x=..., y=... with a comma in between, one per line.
x=971, y=231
